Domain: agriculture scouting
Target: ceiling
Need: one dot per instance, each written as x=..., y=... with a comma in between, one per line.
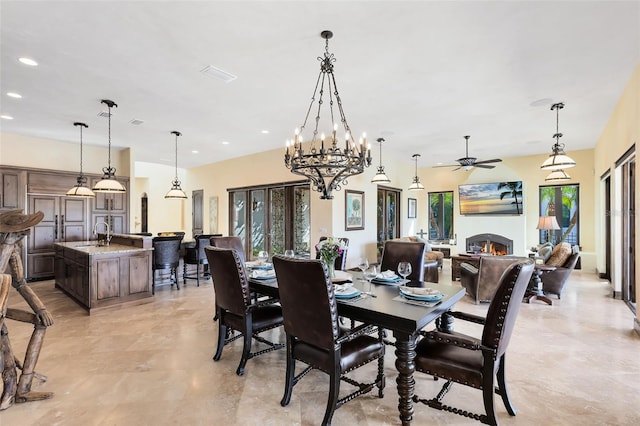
x=419, y=74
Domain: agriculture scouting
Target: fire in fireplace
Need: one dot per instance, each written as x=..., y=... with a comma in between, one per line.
x=490, y=244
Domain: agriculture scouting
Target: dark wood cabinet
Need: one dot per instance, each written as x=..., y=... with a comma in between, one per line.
x=65, y=219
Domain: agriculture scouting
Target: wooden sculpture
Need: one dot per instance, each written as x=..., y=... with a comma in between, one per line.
x=14, y=226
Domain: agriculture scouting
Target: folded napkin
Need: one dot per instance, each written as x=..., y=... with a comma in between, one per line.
x=386, y=277
x=263, y=274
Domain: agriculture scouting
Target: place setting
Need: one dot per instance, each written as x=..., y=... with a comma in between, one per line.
x=420, y=296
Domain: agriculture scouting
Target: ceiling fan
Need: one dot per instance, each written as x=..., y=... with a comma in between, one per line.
x=467, y=162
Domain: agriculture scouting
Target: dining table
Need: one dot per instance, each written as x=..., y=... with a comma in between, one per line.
x=387, y=310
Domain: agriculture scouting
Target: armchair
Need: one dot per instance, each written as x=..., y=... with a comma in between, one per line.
x=553, y=282
x=482, y=282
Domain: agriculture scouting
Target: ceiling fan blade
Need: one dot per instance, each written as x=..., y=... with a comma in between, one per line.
x=484, y=166
x=495, y=160
x=446, y=165
x=457, y=168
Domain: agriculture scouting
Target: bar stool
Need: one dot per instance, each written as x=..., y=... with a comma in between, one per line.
x=196, y=255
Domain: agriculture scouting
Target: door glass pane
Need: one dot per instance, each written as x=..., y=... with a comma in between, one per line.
x=277, y=220
x=441, y=216
x=257, y=222
x=238, y=212
x=392, y=217
x=301, y=220
x=563, y=203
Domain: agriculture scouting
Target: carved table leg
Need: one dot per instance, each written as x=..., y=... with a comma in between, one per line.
x=534, y=292
x=405, y=356
x=445, y=323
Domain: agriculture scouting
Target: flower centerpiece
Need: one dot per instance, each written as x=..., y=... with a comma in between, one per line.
x=329, y=250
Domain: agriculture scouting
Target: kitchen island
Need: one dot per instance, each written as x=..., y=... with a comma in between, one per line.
x=105, y=276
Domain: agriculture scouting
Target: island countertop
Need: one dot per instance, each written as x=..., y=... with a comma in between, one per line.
x=93, y=248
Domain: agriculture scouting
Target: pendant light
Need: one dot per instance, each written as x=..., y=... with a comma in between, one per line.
x=558, y=160
x=176, y=191
x=80, y=190
x=380, y=177
x=557, y=176
x=108, y=183
x=416, y=185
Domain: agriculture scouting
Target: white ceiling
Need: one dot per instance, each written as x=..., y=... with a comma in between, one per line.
x=420, y=74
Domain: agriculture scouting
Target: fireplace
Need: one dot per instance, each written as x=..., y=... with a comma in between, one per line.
x=490, y=244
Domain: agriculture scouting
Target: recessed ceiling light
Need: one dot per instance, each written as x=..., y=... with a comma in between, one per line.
x=14, y=95
x=6, y=117
x=225, y=142
x=194, y=151
x=28, y=61
x=265, y=132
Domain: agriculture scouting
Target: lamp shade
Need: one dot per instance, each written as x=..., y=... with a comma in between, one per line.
x=557, y=176
x=557, y=161
x=176, y=193
x=80, y=191
x=380, y=177
x=547, y=222
x=108, y=185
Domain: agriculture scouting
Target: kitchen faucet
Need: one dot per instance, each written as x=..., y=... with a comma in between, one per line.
x=107, y=239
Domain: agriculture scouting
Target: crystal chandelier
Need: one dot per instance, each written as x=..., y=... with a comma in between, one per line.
x=176, y=191
x=416, y=185
x=380, y=177
x=80, y=190
x=323, y=162
x=558, y=160
x=108, y=183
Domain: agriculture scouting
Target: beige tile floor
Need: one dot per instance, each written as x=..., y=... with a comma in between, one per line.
x=576, y=362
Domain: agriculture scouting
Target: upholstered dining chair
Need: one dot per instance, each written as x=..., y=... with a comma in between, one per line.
x=475, y=362
x=399, y=251
x=166, y=255
x=234, y=309
x=341, y=261
x=194, y=255
x=230, y=242
x=314, y=337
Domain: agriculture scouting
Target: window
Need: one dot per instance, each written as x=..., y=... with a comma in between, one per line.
x=441, y=216
x=271, y=217
x=561, y=201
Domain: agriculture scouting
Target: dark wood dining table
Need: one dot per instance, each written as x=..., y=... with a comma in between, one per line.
x=403, y=319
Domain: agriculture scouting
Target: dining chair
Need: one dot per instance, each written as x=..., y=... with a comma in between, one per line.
x=194, y=255
x=234, y=308
x=166, y=255
x=314, y=337
x=395, y=252
x=477, y=362
x=341, y=261
x=230, y=242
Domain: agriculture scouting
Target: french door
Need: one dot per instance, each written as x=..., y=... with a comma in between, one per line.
x=274, y=218
x=388, y=215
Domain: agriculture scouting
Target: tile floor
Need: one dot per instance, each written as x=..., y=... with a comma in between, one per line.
x=576, y=362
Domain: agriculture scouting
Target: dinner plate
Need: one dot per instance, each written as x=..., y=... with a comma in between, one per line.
x=347, y=293
x=259, y=265
x=263, y=275
x=381, y=279
x=418, y=293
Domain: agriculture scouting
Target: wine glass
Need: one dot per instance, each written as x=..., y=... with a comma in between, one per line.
x=404, y=269
x=263, y=256
x=363, y=264
x=289, y=253
x=370, y=273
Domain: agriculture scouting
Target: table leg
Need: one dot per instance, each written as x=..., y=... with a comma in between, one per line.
x=444, y=323
x=405, y=356
x=535, y=289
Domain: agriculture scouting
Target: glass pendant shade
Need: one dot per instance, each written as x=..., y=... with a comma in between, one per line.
x=108, y=183
x=80, y=190
x=176, y=191
x=380, y=176
x=557, y=176
x=416, y=185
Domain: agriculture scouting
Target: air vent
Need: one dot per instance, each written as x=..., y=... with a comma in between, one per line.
x=212, y=71
x=104, y=114
x=136, y=122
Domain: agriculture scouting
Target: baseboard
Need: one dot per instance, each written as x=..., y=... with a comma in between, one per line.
x=617, y=295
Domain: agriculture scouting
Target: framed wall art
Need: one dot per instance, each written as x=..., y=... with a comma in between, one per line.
x=353, y=210
x=412, y=208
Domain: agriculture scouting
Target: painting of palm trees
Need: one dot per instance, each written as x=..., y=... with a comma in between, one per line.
x=491, y=198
